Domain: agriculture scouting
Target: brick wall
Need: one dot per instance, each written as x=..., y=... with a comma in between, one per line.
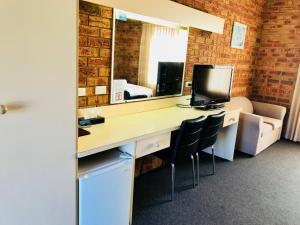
x=279, y=53
x=95, y=37
x=203, y=47
x=127, y=50
x=210, y=48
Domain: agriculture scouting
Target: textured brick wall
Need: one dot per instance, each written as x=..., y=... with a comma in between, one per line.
x=203, y=47
x=127, y=50
x=206, y=48
x=95, y=36
x=279, y=53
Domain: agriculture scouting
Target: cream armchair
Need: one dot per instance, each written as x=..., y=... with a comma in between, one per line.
x=260, y=125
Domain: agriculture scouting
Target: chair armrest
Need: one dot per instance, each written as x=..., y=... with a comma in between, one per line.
x=269, y=110
x=249, y=132
x=251, y=121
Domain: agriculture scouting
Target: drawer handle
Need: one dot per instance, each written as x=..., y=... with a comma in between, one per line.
x=232, y=119
x=3, y=109
x=154, y=145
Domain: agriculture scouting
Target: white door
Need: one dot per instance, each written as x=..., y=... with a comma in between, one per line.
x=38, y=133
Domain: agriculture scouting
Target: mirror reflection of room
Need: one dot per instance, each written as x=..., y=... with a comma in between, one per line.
x=148, y=57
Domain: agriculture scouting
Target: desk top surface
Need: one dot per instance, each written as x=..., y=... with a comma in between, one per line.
x=121, y=130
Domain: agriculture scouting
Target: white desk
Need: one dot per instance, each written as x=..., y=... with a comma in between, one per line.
x=152, y=130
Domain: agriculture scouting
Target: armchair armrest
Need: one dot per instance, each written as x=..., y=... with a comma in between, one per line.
x=269, y=110
x=249, y=132
x=251, y=121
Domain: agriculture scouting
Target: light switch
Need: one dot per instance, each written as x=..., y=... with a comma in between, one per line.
x=187, y=84
x=100, y=90
x=81, y=92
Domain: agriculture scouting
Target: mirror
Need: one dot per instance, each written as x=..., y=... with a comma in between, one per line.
x=148, y=58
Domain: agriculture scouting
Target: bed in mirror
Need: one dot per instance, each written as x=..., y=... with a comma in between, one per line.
x=149, y=57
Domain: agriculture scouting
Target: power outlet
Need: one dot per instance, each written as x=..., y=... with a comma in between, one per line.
x=81, y=92
x=188, y=84
x=100, y=90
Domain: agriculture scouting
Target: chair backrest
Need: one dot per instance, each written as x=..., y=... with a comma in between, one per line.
x=209, y=133
x=187, y=139
x=242, y=102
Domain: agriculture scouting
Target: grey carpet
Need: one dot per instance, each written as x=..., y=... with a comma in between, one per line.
x=261, y=190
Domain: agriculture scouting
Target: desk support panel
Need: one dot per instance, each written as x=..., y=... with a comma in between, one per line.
x=130, y=149
x=225, y=145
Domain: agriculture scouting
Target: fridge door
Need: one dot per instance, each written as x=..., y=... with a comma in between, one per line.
x=105, y=195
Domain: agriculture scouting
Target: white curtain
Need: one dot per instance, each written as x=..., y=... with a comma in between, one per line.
x=148, y=32
x=159, y=44
x=293, y=128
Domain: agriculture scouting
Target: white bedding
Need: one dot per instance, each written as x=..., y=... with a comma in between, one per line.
x=135, y=90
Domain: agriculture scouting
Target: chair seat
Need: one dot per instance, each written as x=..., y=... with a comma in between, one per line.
x=163, y=154
x=267, y=128
x=205, y=144
x=184, y=143
x=275, y=123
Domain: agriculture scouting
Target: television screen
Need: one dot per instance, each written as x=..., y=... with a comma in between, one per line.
x=169, y=78
x=211, y=84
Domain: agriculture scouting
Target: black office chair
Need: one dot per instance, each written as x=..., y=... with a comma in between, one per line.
x=185, y=144
x=208, y=137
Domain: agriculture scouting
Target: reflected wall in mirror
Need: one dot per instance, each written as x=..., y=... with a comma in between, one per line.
x=148, y=57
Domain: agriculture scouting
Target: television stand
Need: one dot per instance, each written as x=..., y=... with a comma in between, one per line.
x=211, y=107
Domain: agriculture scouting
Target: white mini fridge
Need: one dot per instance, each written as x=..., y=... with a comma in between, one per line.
x=105, y=188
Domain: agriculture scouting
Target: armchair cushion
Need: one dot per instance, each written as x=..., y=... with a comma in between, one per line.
x=266, y=129
x=275, y=123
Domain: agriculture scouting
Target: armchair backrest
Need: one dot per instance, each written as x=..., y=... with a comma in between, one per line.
x=269, y=110
x=243, y=103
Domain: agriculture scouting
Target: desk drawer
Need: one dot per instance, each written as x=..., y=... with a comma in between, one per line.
x=153, y=144
x=231, y=118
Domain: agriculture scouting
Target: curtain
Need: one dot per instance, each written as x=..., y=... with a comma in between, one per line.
x=159, y=44
x=293, y=128
x=148, y=32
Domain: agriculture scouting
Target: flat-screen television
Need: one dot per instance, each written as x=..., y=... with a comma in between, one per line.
x=169, y=78
x=211, y=84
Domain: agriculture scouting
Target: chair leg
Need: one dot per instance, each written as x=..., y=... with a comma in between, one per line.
x=173, y=181
x=198, y=169
x=213, y=159
x=193, y=167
